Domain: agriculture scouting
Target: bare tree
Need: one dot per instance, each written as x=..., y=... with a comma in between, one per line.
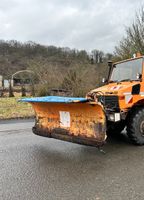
x=97, y=56
x=133, y=42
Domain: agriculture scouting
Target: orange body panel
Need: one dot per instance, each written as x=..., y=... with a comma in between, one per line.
x=77, y=122
x=124, y=93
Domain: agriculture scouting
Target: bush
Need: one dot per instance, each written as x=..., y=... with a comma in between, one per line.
x=42, y=90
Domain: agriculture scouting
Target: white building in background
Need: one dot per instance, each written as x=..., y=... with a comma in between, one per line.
x=5, y=83
x=1, y=81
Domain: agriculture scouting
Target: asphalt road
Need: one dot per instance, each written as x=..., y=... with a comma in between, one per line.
x=37, y=168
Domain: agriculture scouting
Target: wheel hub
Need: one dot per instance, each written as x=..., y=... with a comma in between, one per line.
x=142, y=128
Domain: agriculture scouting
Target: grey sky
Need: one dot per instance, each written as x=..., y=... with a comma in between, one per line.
x=82, y=24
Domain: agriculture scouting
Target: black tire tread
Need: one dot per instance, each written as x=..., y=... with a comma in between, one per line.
x=131, y=126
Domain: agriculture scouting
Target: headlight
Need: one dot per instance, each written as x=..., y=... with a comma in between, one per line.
x=114, y=117
x=111, y=117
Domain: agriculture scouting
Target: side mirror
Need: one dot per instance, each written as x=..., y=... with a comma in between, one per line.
x=110, y=63
x=138, y=76
x=103, y=80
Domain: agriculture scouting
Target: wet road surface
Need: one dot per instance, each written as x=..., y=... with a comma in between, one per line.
x=37, y=168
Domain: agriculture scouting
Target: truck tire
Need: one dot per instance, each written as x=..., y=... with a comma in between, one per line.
x=115, y=127
x=135, y=126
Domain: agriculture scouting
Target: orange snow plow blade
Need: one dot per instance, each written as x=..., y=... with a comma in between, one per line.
x=76, y=121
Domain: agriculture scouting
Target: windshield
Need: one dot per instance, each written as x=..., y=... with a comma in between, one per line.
x=127, y=70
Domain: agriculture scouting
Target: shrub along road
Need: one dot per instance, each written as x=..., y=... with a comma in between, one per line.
x=37, y=168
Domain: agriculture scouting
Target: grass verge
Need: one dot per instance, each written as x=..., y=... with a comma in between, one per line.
x=10, y=108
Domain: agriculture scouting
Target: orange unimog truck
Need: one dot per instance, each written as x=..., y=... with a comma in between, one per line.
x=123, y=98
x=107, y=109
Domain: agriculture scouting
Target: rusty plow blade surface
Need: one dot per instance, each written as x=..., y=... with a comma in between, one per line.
x=69, y=119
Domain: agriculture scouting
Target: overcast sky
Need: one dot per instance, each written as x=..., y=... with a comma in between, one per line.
x=81, y=24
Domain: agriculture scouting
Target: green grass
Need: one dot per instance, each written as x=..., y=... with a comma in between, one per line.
x=10, y=108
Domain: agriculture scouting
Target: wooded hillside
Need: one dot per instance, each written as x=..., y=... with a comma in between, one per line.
x=54, y=67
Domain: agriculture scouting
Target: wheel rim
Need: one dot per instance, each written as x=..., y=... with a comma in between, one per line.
x=142, y=128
